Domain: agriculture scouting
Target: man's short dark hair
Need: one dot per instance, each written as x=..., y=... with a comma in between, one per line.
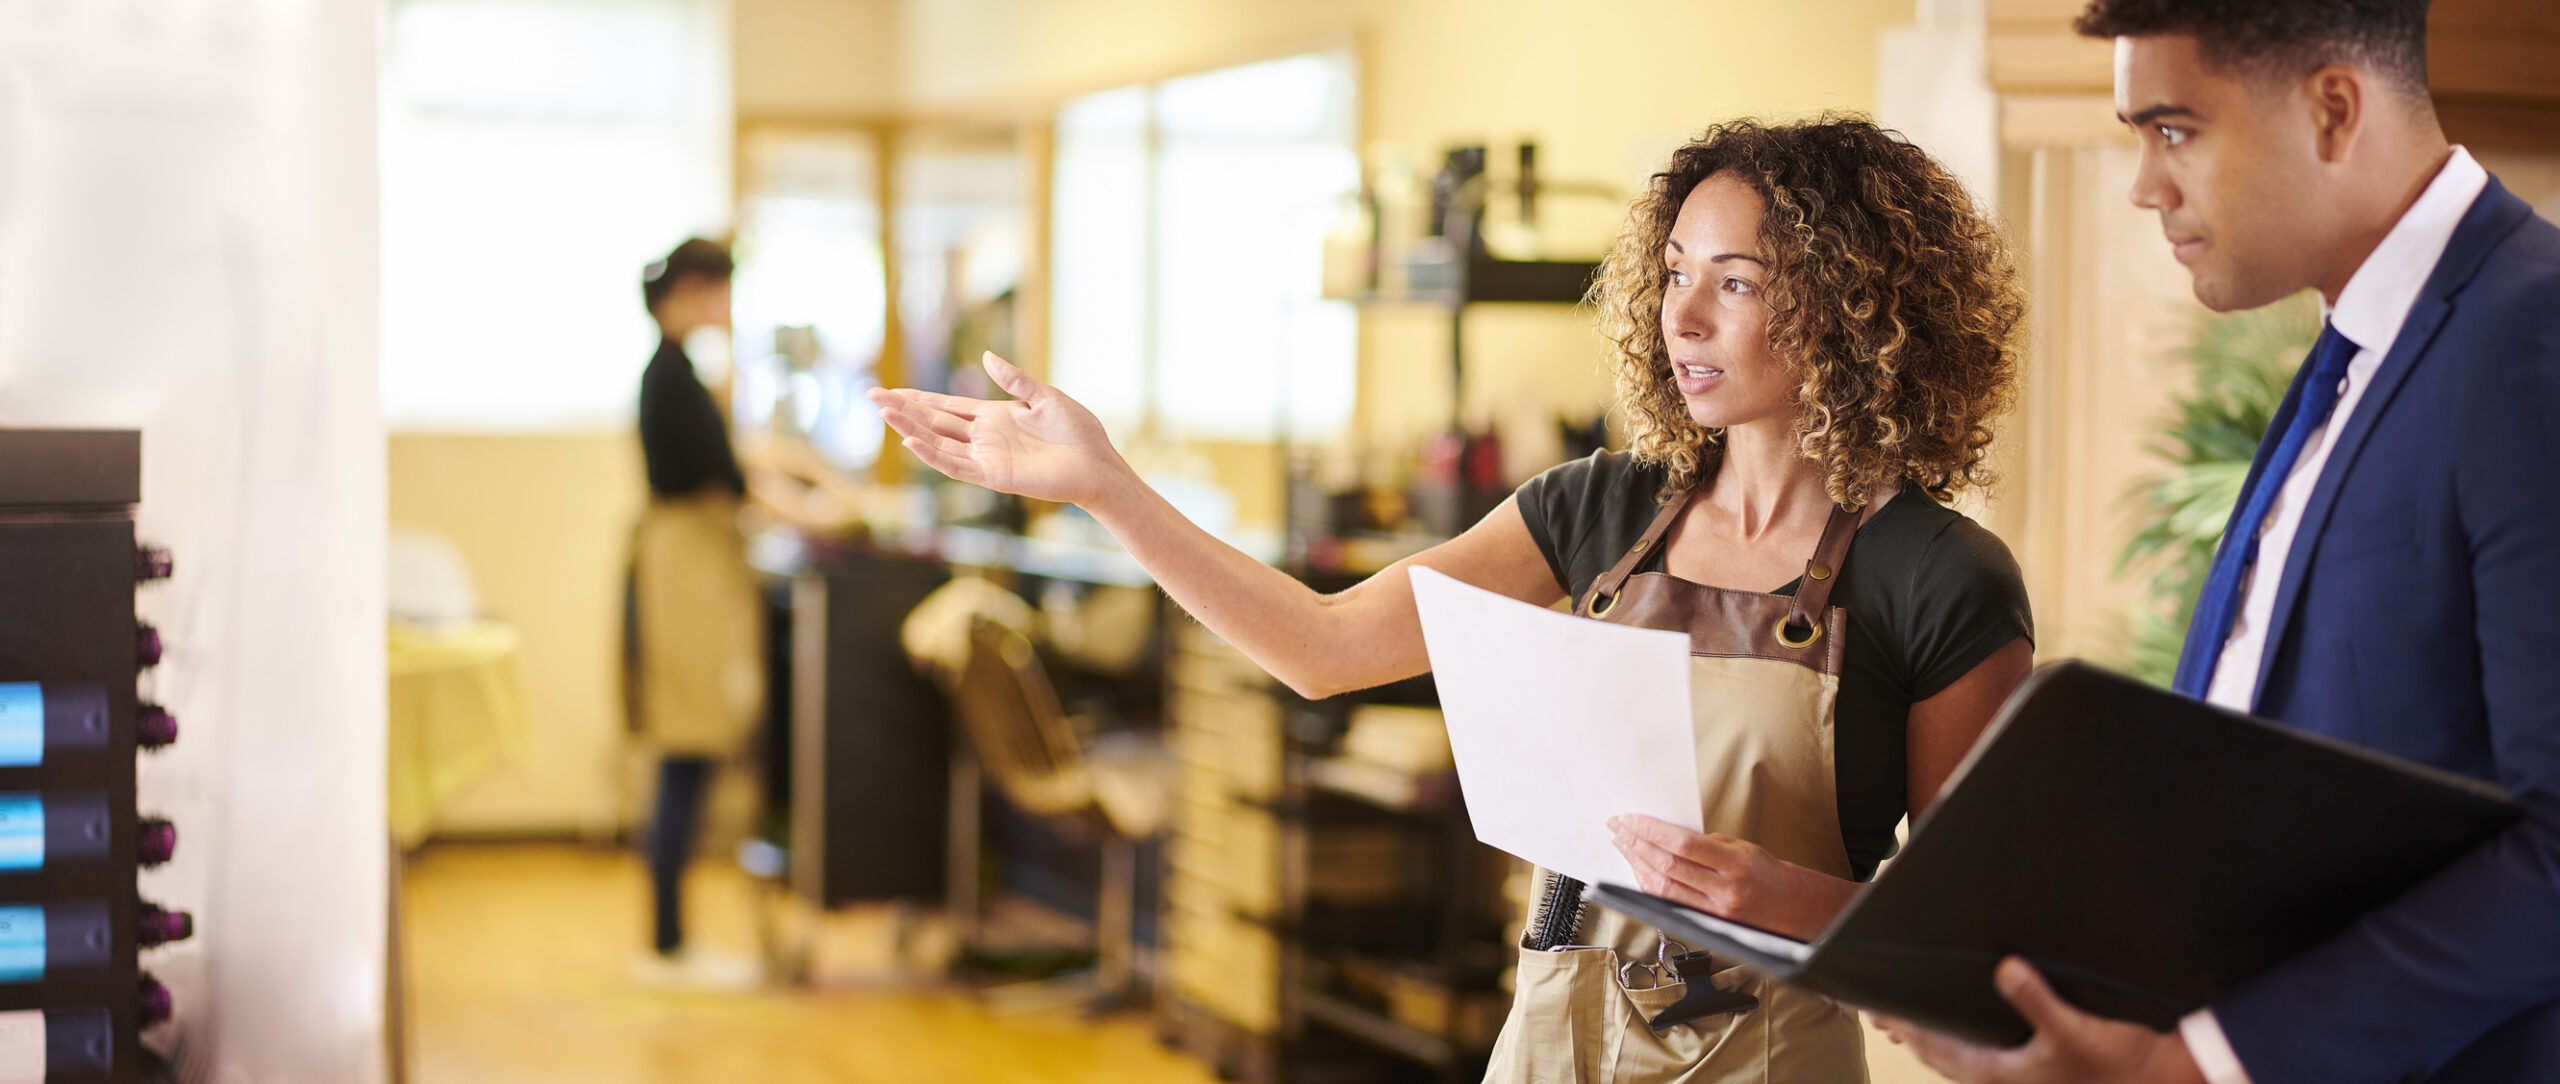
x=707, y=261
x=2282, y=38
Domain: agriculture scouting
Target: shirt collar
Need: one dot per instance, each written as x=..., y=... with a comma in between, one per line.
x=2377, y=299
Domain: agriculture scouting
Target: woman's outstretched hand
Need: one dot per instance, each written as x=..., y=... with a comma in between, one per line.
x=1042, y=445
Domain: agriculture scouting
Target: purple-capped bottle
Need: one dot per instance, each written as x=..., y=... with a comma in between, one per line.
x=151, y=1002
x=154, y=841
x=153, y=726
x=157, y=925
x=146, y=645
x=152, y=563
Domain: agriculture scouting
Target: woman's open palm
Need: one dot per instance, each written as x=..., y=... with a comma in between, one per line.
x=1042, y=445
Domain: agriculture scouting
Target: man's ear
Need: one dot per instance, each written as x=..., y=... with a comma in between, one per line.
x=2338, y=96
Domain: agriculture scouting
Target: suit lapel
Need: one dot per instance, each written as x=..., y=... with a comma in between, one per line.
x=2492, y=216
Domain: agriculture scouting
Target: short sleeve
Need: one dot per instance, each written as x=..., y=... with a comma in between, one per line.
x=1968, y=600
x=683, y=442
x=1584, y=513
x=1539, y=497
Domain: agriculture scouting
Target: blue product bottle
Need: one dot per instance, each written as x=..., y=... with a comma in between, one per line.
x=35, y=828
x=35, y=718
x=36, y=938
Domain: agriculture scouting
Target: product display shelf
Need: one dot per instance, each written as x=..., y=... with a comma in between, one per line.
x=74, y=999
x=1317, y=933
x=1219, y=988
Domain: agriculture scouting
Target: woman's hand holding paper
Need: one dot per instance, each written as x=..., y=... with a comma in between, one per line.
x=1728, y=877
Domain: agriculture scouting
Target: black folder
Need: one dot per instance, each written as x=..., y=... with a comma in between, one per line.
x=2146, y=851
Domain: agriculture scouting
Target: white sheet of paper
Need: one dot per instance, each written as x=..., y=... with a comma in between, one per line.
x=1559, y=723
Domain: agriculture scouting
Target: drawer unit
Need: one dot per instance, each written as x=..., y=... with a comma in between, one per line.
x=1225, y=853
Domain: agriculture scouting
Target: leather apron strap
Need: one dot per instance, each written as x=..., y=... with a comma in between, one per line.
x=1821, y=572
x=1609, y=582
x=1813, y=594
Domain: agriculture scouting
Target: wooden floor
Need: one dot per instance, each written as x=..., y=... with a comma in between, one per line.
x=519, y=971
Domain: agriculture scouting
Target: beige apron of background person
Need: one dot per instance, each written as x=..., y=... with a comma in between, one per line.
x=700, y=672
x=1764, y=675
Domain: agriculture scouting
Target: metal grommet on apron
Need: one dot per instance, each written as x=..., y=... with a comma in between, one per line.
x=1765, y=676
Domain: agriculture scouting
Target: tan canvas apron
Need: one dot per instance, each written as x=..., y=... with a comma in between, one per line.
x=701, y=628
x=1765, y=673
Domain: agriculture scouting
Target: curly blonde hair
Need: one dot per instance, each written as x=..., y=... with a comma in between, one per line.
x=1887, y=290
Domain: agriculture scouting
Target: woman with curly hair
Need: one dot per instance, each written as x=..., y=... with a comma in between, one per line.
x=1812, y=328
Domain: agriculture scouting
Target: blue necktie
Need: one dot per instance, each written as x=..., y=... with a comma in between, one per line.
x=2219, y=604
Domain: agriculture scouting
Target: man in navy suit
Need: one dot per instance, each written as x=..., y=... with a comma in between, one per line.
x=2392, y=575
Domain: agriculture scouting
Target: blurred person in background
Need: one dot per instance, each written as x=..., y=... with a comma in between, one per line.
x=697, y=613
x=1812, y=327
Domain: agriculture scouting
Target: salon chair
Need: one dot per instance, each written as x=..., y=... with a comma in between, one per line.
x=1114, y=790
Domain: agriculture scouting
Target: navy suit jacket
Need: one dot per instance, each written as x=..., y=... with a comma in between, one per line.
x=2419, y=614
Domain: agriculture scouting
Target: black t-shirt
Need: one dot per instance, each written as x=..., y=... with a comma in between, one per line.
x=683, y=438
x=1929, y=595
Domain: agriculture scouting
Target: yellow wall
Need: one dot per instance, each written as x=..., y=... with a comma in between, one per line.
x=544, y=520
x=813, y=57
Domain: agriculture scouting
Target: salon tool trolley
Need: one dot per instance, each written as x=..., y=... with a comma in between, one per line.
x=74, y=661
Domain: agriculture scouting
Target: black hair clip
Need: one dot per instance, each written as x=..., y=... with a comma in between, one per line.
x=1700, y=999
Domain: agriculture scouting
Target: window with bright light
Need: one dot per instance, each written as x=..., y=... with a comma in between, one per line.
x=1187, y=251
x=536, y=154
x=962, y=233
x=811, y=296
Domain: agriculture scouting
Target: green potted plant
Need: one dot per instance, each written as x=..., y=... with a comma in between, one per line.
x=2241, y=363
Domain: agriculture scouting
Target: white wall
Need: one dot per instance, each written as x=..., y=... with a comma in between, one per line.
x=187, y=246
x=536, y=155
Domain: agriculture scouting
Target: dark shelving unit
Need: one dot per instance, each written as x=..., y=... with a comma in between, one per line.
x=1448, y=927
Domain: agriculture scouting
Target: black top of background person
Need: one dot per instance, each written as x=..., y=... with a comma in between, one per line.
x=1929, y=593
x=683, y=437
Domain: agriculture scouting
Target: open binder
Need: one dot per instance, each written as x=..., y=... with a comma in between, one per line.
x=2146, y=851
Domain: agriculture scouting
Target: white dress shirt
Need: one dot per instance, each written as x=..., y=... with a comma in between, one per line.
x=2369, y=312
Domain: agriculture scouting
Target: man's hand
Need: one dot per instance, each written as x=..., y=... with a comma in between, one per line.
x=2069, y=1047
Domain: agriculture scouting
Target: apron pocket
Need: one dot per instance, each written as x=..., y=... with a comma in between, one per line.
x=1727, y=1047
x=1562, y=1011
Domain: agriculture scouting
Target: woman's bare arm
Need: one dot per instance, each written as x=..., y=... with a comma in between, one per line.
x=1943, y=728
x=1047, y=446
